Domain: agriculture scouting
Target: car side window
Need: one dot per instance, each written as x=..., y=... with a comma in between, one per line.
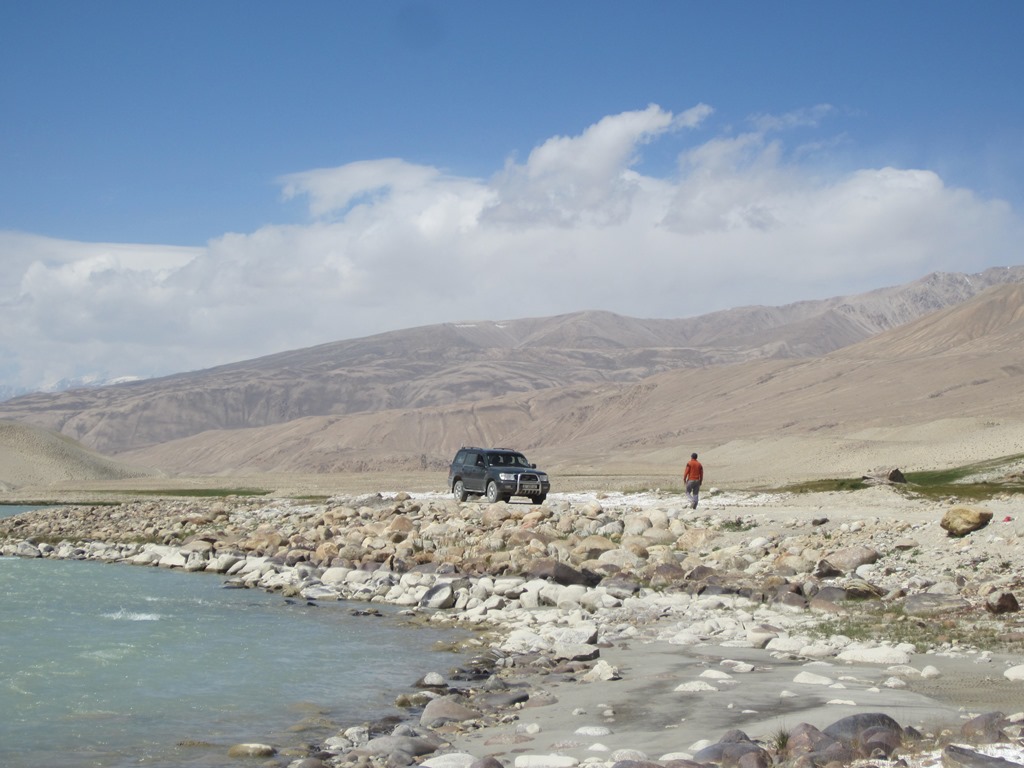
x=478, y=460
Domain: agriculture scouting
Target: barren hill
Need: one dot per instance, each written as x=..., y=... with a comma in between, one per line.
x=913, y=374
x=30, y=456
x=909, y=397
x=458, y=363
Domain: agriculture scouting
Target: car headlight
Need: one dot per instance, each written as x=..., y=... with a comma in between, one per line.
x=543, y=476
x=506, y=476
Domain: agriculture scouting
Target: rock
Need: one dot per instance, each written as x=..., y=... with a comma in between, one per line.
x=849, y=559
x=733, y=747
x=1015, y=673
x=438, y=597
x=809, y=678
x=252, y=750
x=954, y=756
x=602, y=670
x=924, y=604
x=545, y=761
x=806, y=739
x=450, y=760
x=386, y=745
x=857, y=730
x=985, y=729
x=446, y=709
x=1001, y=602
x=893, y=475
x=882, y=654
x=960, y=521
x=560, y=573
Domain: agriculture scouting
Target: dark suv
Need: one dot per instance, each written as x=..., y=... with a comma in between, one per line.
x=497, y=473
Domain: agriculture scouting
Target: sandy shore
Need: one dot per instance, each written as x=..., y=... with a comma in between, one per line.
x=645, y=711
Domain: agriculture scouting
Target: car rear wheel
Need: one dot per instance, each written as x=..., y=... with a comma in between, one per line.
x=460, y=491
x=493, y=495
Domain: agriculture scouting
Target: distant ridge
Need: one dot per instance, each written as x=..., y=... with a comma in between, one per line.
x=590, y=390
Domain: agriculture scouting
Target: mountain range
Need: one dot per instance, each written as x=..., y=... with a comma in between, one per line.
x=836, y=385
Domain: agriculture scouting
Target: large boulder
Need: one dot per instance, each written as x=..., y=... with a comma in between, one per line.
x=960, y=521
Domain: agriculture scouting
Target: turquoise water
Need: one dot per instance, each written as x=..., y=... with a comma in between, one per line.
x=115, y=665
x=7, y=510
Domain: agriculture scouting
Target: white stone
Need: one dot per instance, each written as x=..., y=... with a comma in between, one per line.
x=545, y=761
x=695, y=686
x=716, y=674
x=809, y=678
x=880, y=655
x=1015, y=673
x=593, y=730
x=449, y=760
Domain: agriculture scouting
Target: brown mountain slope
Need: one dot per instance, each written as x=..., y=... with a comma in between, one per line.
x=449, y=365
x=936, y=392
x=30, y=456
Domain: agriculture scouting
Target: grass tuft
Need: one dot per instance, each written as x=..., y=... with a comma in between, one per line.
x=972, y=482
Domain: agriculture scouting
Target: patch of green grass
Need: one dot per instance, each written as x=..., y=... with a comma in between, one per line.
x=874, y=621
x=822, y=486
x=995, y=476
x=194, y=492
x=779, y=739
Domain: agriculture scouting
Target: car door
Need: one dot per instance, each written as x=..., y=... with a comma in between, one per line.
x=473, y=476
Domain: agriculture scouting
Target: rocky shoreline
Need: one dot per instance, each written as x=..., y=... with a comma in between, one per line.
x=630, y=629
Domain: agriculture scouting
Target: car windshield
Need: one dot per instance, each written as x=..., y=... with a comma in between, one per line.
x=507, y=460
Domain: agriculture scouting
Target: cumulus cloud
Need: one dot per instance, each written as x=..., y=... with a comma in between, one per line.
x=742, y=218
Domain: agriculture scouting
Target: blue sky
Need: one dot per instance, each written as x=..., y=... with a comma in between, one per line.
x=184, y=184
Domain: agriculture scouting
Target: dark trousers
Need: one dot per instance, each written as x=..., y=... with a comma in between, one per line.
x=693, y=491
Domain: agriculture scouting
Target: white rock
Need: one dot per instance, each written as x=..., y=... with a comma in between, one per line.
x=628, y=754
x=450, y=760
x=786, y=644
x=716, y=674
x=593, y=730
x=809, y=678
x=880, y=655
x=1015, y=673
x=695, y=686
x=545, y=761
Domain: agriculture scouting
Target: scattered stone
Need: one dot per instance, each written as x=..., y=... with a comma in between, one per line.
x=960, y=521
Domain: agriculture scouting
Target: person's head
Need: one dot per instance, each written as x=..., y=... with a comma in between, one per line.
x=693, y=455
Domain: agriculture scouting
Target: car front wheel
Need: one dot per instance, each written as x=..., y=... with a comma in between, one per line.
x=460, y=491
x=538, y=499
x=493, y=495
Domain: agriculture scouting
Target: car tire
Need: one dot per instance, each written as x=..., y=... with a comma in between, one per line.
x=493, y=495
x=460, y=491
x=538, y=499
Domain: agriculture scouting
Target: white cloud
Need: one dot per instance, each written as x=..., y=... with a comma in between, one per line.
x=391, y=244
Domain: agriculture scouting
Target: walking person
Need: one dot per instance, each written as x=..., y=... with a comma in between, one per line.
x=693, y=476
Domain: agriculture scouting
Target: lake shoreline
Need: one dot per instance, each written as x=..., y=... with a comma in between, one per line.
x=567, y=646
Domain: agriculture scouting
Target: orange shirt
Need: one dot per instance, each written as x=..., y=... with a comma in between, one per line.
x=694, y=471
